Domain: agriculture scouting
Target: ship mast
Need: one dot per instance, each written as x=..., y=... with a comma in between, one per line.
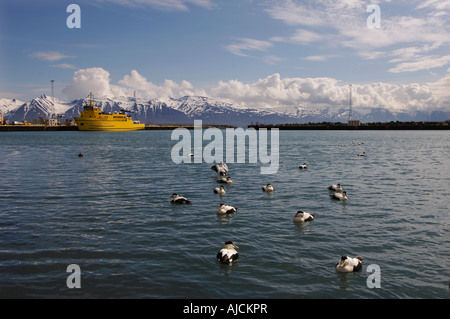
x=91, y=99
x=53, y=99
x=350, y=108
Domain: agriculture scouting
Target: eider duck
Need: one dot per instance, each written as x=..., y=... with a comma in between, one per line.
x=303, y=217
x=80, y=155
x=177, y=199
x=219, y=190
x=224, y=180
x=220, y=168
x=339, y=196
x=268, y=188
x=335, y=187
x=347, y=264
x=226, y=209
x=228, y=253
x=362, y=154
x=303, y=166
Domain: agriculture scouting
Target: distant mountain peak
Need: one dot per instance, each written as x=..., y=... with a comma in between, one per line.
x=186, y=109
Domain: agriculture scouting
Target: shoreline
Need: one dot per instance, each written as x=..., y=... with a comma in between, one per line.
x=415, y=126
x=309, y=126
x=44, y=128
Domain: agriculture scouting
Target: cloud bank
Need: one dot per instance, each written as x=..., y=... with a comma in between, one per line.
x=172, y=5
x=49, y=55
x=97, y=80
x=414, y=39
x=271, y=92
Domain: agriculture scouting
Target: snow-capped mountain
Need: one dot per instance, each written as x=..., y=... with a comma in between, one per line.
x=366, y=115
x=7, y=105
x=186, y=109
x=41, y=106
x=212, y=111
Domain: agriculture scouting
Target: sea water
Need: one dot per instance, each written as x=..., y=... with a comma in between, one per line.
x=109, y=213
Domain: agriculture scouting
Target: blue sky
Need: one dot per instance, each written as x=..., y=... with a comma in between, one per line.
x=280, y=53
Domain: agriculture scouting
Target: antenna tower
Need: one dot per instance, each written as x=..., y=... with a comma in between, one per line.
x=53, y=97
x=350, y=108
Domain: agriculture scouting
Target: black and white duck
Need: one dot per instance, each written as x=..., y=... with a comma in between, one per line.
x=226, y=209
x=228, y=254
x=347, y=264
x=177, y=199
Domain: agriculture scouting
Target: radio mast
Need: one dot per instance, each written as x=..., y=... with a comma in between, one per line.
x=350, y=108
x=52, y=115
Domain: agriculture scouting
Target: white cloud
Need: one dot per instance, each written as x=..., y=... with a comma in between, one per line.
x=49, y=55
x=98, y=81
x=436, y=4
x=272, y=59
x=288, y=93
x=137, y=82
x=95, y=80
x=319, y=58
x=176, y=5
x=422, y=63
x=271, y=92
x=301, y=36
x=422, y=26
x=64, y=66
x=294, y=14
x=441, y=89
x=246, y=44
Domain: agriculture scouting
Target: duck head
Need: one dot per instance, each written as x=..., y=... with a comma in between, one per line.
x=343, y=261
x=229, y=244
x=299, y=214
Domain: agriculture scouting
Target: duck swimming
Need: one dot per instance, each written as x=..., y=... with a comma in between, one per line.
x=177, y=199
x=335, y=187
x=228, y=253
x=339, y=196
x=226, y=209
x=362, y=154
x=303, y=166
x=347, y=264
x=220, y=168
x=224, y=180
x=303, y=217
x=219, y=190
x=268, y=188
x=80, y=155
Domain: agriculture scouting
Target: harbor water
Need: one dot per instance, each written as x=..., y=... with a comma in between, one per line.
x=109, y=213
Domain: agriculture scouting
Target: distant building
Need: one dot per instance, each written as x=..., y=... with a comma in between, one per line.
x=354, y=123
x=52, y=121
x=1, y=119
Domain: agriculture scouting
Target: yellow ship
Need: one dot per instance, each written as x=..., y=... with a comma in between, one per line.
x=93, y=119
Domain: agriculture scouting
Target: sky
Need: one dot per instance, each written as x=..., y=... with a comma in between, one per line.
x=262, y=54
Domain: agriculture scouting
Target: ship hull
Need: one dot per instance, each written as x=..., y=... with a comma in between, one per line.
x=105, y=125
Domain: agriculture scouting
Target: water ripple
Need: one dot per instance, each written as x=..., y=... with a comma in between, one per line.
x=109, y=212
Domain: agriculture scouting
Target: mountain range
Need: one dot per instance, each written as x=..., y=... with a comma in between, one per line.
x=186, y=109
